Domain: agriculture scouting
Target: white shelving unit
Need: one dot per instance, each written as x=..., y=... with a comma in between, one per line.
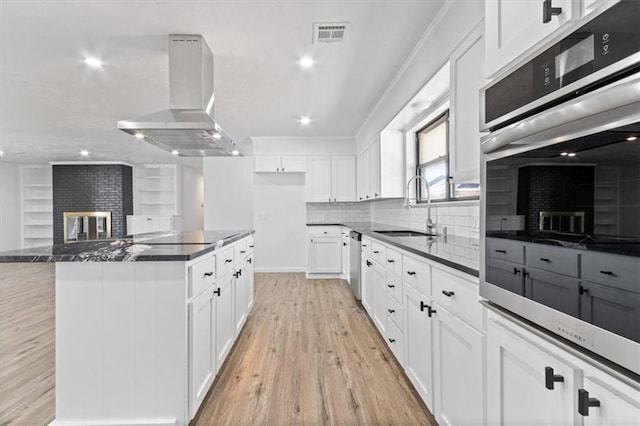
x=606, y=200
x=37, y=206
x=158, y=190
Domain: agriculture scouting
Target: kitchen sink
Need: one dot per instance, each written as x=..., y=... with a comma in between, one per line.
x=405, y=233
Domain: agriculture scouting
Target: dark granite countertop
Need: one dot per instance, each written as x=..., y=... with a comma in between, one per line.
x=459, y=253
x=155, y=246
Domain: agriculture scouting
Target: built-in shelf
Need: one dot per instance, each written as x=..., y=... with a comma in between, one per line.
x=157, y=190
x=37, y=206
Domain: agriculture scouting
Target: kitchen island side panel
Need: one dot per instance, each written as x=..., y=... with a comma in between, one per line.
x=121, y=343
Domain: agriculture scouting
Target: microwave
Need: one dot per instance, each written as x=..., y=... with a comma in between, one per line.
x=560, y=205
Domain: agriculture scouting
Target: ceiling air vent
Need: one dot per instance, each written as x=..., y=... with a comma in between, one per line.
x=329, y=32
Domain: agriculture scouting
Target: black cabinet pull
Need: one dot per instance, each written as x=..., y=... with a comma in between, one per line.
x=243, y=251
x=278, y=169
x=344, y=244
x=583, y=290
x=411, y=272
x=516, y=271
x=391, y=311
x=369, y=264
x=208, y=274
x=216, y=291
x=607, y=272
x=550, y=378
x=548, y=11
x=236, y=275
x=367, y=197
x=251, y=246
x=500, y=251
x=283, y=169
x=447, y=293
x=525, y=274
x=392, y=340
x=364, y=245
x=390, y=260
x=544, y=259
x=584, y=402
x=422, y=306
x=249, y=260
x=390, y=285
x=430, y=311
x=376, y=194
x=376, y=252
x=228, y=261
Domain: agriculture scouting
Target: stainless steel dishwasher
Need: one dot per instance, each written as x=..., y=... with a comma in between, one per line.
x=354, y=261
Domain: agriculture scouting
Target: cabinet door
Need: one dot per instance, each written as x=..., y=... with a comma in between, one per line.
x=360, y=187
x=458, y=371
x=202, y=362
x=554, y=290
x=239, y=299
x=517, y=392
x=615, y=310
x=325, y=255
x=418, y=343
x=374, y=169
x=378, y=282
x=366, y=173
x=249, y=283
x=366, y=285
x=160, y=223
x=466, y=81
x=318, y=179
x=267, y=164
x=514, y=27
x=343, y=179
x=224, y=323
x=294, y=164
x=506, y=275
x=346, y=252
x=619, y=403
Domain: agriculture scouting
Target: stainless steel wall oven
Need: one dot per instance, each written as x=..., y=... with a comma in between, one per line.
x=561, y=188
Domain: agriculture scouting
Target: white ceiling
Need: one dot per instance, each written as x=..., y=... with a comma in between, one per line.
x=53, y=105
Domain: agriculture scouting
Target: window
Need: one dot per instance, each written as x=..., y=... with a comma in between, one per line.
x=433, y=164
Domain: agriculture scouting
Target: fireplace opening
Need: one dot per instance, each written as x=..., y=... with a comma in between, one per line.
x=84, y=226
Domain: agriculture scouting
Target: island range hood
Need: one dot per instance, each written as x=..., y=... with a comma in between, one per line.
x=187, y=128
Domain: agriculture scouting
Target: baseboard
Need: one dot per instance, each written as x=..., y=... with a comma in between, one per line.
x=280, y=269
x=122, y=422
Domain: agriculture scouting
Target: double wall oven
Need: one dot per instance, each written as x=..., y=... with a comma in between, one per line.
x=561, y=188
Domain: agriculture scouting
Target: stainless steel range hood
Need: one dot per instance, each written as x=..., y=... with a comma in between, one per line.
x=187, y=127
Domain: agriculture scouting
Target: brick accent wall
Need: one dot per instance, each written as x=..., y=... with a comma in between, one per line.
x=87, y=188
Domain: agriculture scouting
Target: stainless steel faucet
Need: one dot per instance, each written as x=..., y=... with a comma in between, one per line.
x=407, y=202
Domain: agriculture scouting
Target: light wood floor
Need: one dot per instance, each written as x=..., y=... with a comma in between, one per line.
x=308, y=354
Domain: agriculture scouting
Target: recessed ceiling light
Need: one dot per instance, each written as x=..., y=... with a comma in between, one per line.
x=175, y=152
x=217, y=135
x=571, y=154
x=632, y=138
x=1, y=153
x=306, y=62
x=235, y=152
x=84, y=153
x=139, y=135
x=93, y=62
x=305, y=121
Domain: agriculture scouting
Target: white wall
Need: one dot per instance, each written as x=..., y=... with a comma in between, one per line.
x=192, y=198
x=10, y=221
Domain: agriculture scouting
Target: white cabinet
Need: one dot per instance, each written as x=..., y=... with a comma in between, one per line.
x=158, y=190
x=532, y=380
x=466, y=81
x=366, y=284
x=137, y=224
x=514, y=27
x=37, y=206
x=418, y=343
x=331, y=179
x=379, y=288
x=324, y=250
x=249, y=283
x=280, y=164
x=458, y=352
x=381, y=167
x=346, y=253
x=224, y=321
x=202, y=361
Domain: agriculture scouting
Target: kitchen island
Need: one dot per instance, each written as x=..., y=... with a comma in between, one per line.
x=144, y=323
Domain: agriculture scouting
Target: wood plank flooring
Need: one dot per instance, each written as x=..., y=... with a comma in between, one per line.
x=27, y=345
x=308, y=354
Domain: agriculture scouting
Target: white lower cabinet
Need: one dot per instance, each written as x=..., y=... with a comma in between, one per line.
x=531, y=380
x=366, y=284
x=324, y=250
x=138, y=224
x=202, y=362
x=224, y=323
x=458, y=359
x=418, y=363
x=239, y=298
x=379, y=288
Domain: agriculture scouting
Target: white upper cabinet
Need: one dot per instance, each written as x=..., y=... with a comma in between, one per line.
x=280, y=164
x=466, y=81
x=512, y=27
x=381, y=167
x=331, y=179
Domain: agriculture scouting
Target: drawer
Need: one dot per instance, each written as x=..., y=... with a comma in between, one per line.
x=202, y=275
x=621, y=272
x=249, y=240
x=393, y=261
x=224, y=262
x=508, y=250
x=324, y=231
x=394, y=311
x=458, y=295
x=240, y=251
x=417, y=274
x=367, y=245
x=379, y=252
x=552, y=259
x=395, y=341
x=394, y=287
